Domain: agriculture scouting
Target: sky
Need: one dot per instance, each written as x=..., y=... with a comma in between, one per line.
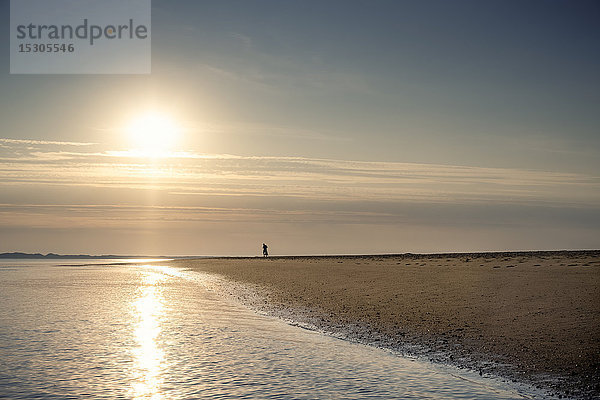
x=317, y=127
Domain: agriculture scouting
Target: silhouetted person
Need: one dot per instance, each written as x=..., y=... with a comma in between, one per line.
x=265, y=252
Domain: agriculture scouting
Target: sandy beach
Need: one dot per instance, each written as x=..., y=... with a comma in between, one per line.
x=529, y=317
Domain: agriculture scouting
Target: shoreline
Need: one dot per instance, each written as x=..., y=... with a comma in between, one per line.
x=528, y=317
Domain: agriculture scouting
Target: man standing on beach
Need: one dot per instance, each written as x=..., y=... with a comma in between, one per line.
x=265, y=252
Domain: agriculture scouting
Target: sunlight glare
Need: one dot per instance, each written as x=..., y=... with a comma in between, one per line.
x=153, y=134
x=149, y=357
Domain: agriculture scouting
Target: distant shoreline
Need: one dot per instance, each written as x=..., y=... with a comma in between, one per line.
x=406, y=255
x=53, y=256
x=40, y=256
x=36, y=256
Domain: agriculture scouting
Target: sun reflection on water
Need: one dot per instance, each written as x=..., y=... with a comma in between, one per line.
x=149, y=357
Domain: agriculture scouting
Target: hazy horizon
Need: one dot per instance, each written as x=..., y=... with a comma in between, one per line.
x=334, y=127
x=158, y=257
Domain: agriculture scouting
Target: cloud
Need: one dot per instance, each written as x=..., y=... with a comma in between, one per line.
x=245, y=40
x=43, y=190
x=194, y=174
x=44, y=142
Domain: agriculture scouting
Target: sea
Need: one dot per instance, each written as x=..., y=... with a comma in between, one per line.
x=105, y=329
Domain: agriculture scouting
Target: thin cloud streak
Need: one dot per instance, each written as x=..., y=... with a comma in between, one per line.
x=44, y=142
x=188, y=173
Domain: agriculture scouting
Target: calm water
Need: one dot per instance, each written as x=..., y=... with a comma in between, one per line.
x=155, y=332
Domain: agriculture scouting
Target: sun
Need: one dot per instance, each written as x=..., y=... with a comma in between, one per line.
x=153, y=134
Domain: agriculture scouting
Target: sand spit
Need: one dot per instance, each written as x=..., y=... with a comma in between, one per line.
x=531, y=317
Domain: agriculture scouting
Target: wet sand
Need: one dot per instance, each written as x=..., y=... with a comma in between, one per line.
x=530, y=317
